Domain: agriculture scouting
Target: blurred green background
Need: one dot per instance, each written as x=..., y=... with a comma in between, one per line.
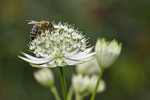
x=128, y=21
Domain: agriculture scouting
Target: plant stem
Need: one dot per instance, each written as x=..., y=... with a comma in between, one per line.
x=78, y=97
x=63, y=83
x=70, y=93
x=54, y=91
x=95, y=91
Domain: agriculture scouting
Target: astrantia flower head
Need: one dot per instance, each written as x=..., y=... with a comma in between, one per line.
x=60, y=47
x=107, y=52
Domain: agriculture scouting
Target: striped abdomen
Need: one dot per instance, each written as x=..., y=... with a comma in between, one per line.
x=35, y=31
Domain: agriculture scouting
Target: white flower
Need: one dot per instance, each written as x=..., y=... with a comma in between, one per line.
x=45, y=77
x=86, y=84
x=88, y=68
x=63, y=46
x=92, y=84
x=80, y=83
x=107, y=52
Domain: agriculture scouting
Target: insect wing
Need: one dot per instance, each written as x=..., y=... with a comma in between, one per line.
x=33, y=22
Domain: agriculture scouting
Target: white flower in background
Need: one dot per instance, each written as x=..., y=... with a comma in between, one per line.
x=45, y=77
x=80, y=83
x=63, y=46
x=88, y=68
x=86, y=84
x=92, y=84
x=107, y=52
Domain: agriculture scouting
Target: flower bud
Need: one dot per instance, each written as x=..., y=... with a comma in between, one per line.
x=107, y=52
x=45, y=77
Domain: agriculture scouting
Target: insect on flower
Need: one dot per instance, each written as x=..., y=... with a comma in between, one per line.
x=38, y=27
x=62, y=46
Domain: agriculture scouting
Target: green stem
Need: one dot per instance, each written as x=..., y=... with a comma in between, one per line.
x=54, y=91
x=63, y=83
x=78, y=97
x=95, y=91
x=70, y=93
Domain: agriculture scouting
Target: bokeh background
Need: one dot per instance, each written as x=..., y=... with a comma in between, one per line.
x=127, y=21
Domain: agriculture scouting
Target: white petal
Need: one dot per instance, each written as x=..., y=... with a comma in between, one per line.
x=88, y=50
x=33, y=61
x=80, y=56
x=80, y=53
x=85, y=60
x=72, y=53
x=31, y=57
x=70, y=62
x=38, y=66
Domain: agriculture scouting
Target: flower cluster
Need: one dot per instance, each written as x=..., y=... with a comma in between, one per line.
x=65, y=45
x=84, y=82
